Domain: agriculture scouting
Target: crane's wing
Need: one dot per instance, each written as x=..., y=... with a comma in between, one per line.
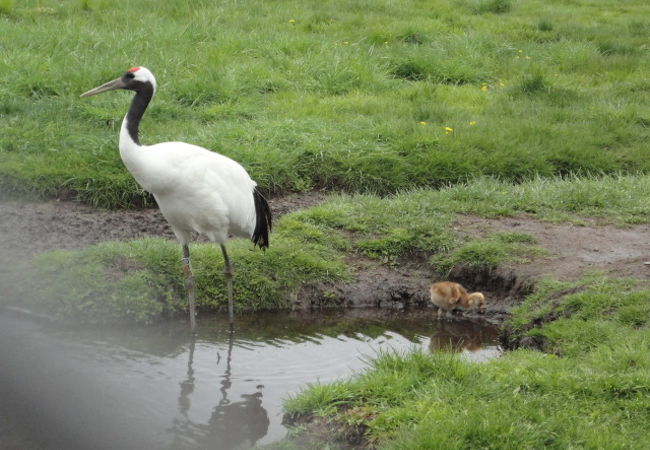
x=201, y=190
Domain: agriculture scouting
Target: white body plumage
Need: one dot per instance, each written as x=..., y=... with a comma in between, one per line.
x=196, y=189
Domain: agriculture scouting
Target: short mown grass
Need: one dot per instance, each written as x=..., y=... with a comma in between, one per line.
x=591, y=391
x=371, y=96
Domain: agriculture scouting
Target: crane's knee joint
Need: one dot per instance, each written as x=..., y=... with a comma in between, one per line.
x=186, y=261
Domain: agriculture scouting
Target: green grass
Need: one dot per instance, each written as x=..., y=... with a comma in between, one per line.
x=595, y=395
x=142, y=280
x=487, y=254
x=344, y=96
x=611, y=199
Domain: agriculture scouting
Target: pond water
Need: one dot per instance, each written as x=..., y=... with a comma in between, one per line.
x=158, y=387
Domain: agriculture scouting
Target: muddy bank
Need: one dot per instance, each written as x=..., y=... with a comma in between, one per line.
x=27, y=229
x=407, y=287
x=317, y=430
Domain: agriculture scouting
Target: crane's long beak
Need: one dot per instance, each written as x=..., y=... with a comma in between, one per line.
x=115, y=84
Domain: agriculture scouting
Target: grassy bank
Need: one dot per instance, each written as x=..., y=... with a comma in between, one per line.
x=374, y=96
x=142, y=280
x=589, y=388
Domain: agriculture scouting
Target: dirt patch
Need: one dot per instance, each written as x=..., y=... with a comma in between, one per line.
x=572, y=250
x=293, y=202
x=27, y=229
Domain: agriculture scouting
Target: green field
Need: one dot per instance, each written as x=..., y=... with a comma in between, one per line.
x=366, y=96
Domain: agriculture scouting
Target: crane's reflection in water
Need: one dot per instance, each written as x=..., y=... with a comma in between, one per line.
x=160, y=387
x=232, y=424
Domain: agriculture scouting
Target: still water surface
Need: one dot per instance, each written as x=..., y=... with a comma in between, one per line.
x=157, y=387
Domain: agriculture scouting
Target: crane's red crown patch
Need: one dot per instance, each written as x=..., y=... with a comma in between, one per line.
x=133, y=69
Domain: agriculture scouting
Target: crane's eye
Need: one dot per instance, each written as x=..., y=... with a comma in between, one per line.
x=130, y=75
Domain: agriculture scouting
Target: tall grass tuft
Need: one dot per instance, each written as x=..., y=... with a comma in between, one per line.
x=6, y=7
x=490, y=6
x=532, y=84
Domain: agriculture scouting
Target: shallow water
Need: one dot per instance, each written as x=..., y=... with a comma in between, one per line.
x=157, y=387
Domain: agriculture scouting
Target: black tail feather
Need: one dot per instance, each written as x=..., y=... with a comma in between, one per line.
x=263, y=223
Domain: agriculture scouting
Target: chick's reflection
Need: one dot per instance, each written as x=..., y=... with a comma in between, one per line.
x=459, y=336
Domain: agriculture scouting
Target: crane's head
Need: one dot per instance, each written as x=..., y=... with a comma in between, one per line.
x=135, y=79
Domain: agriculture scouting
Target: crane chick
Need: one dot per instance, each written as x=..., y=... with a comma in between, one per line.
x=446, y=295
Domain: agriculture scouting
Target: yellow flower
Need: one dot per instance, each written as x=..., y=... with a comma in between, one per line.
x=422, y=123
x=346, y=43
x=292, y=20
x=448, y=130
x=472, y=122
x=484, y=88
x=520, y=51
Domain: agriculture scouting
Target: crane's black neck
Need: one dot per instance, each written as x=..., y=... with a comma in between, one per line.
x=139, y=104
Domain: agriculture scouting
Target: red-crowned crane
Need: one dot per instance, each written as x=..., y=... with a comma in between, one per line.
x=196, y=189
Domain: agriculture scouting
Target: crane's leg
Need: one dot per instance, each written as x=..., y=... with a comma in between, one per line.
x=228, y=273
x=189, y=285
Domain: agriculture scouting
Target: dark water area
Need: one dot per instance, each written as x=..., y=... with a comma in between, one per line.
x=159, y=387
